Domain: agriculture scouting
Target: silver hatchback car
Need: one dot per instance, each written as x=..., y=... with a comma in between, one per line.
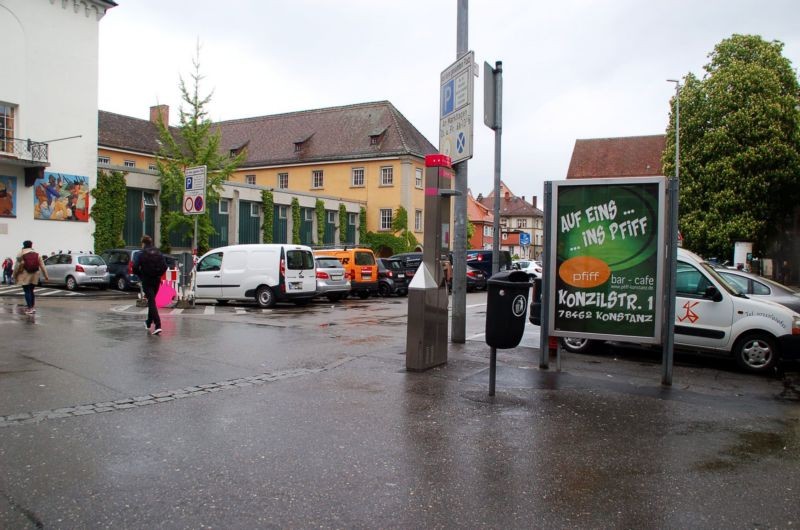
x=332, y=280
x=76, y=270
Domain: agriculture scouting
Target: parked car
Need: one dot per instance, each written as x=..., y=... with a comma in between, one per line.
x=267, y=273
x=716, y=317
x=360, y=266
x=409, y=262
x=120, y=267
x=762, y=288
x=391, y=277
x=482, y=259
x=332, y=280
x=476, y=280
x=76, y=270
x=531, y=267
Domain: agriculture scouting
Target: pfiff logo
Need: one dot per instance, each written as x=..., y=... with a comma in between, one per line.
x=584, y=272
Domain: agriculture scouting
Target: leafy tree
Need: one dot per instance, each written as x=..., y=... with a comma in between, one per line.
x=295, y=221
x=319, y=208
x=362, y=225
x=739, y=147
x=342, y=223
x=108, y=211
x=400, y=225
x=196, y=144
x=268, y=206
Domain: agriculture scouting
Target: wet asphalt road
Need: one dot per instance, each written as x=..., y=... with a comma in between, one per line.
x=306, y=417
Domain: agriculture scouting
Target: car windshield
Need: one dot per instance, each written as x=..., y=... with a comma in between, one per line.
x=329, y=263
x=365, y=258
x=730, y=286
x=392, y=264
x=91, y=260
x=299, y=259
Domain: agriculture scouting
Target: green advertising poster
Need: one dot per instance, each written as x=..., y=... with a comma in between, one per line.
x=608, y=240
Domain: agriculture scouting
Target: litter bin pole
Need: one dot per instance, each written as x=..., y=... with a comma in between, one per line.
x=506, y=315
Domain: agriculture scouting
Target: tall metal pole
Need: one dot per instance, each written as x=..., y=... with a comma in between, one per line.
x=498, y=133
x=458, y=330
x=672, y=254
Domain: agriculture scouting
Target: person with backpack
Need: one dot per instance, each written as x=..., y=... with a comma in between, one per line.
x=29, y=267
x=149, y=265
x=8, y=271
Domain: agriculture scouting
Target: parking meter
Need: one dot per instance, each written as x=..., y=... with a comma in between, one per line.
x=426, y=335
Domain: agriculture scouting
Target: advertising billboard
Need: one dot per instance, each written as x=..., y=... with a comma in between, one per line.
x=607, y=254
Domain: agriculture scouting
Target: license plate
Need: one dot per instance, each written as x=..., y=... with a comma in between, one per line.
x=401, y=275
x=97, y=279
x=367, y=275
x=296, y=285
x=336, y=276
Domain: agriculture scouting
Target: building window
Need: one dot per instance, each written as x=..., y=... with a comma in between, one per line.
x=224, y=206
x=418, y=220
x=352, y=218
x=386, y=219
x=130, y=163
x=308, y=214
x=332, y=217
x=103, y=160
x=150, y=199
x=254, y=209
x=418, y=178
x=316, y=179
x=387, y=176
x=357, y=177
x=6, y=128
x=374, y=140
x=283, y=181
x=250, y=179
x=152, y=167
x=522, y=223
x=487, y=231
x=281, y=212
x=503, y=222
x=505, y=236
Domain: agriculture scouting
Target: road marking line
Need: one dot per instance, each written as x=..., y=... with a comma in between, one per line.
x=240, y=311
x=208, y=310
x=176, y=311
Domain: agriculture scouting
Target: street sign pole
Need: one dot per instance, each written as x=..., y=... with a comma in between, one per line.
x=493, y=118
x=458, y=329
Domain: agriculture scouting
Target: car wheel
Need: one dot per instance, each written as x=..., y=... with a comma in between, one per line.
x=71, y=283
x=756, y=352
x=265, y=297
x=404, y=292
x=384, y=289
x=363, y=294
x=576, y=345
x=121, y=284
x=334, y=297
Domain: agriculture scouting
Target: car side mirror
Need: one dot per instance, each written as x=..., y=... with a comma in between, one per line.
x=713, y=294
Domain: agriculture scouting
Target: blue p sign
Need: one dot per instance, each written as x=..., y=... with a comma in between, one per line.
x=448, y=97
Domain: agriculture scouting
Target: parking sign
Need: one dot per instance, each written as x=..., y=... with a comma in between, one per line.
x=456, y=109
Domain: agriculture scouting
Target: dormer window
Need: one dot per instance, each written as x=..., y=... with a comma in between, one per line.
x=376, y=136
x=301, y=143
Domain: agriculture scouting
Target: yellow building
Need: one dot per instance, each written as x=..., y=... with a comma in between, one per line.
x=366, y=155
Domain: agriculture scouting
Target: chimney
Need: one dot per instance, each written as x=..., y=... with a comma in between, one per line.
x=533, y=199
x=159, y=112
x=523, y=198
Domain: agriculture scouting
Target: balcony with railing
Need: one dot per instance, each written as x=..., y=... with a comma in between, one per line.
x=18, y=151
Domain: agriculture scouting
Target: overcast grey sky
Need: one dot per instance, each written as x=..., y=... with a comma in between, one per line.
x=572, y=68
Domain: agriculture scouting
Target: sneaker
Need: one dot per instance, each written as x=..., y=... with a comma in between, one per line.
x=157, y=331
x=146, y=325
x=33, y=311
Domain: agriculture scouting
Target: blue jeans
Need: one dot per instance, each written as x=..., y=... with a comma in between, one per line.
x=30, y=299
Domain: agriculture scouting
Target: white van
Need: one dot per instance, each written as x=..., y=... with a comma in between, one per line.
x=266, y=273
x=715, y=316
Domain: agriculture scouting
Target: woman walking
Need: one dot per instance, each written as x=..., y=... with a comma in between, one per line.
x=29, y=266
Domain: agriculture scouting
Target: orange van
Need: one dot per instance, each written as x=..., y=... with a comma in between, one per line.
x=360, y=267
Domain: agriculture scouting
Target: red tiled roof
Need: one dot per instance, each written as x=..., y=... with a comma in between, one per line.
x=633, y=156
x=477, y=212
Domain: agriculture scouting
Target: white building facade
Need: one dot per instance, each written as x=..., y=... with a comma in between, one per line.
x=48, y=123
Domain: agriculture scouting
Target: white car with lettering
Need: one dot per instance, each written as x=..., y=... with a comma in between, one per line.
x=713, y=315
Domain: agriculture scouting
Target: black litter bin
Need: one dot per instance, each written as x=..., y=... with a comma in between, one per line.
x=506, y=308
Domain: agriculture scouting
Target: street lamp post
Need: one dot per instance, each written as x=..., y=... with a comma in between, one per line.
x=668, y=337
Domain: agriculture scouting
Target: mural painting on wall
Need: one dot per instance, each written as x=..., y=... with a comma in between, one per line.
x=8, y=196
x=61, y=197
